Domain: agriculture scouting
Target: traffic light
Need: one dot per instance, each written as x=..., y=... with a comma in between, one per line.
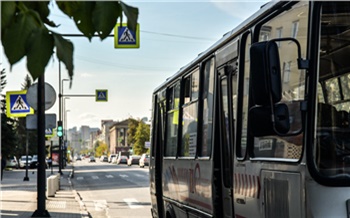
x=59, y=129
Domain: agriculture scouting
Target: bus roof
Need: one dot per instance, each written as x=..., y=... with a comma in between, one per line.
x=272, y=5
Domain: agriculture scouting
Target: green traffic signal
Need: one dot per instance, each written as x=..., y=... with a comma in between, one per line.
x=59, y=129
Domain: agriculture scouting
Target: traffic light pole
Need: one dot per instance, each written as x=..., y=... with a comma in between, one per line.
x=60, y=159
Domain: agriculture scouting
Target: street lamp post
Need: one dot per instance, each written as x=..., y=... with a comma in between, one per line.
x=61, y=111
x=64, y=117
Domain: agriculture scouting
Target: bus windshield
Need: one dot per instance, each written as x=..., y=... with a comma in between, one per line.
x=333, y=106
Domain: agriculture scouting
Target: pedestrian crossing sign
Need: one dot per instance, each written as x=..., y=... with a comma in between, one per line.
x=101, y=95
x=49, y=132
x=125, y=38
x=17, y=105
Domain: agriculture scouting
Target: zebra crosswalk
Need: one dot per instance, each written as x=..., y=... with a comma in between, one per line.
x=105, y=176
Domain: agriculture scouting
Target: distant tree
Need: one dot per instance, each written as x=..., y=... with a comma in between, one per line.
x=27, y=31
x=8, y=134
x=101, y=150
x=142, y=135
x=132, y=127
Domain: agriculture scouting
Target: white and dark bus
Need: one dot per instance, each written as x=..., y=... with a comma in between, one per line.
x=258, y=124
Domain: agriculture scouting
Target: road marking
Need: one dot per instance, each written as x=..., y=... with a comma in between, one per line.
x=94, y=177
x=100, y=205
x=123, y=175
x=80, y=178
x=139, y=175
x=109, y=176
x=132, y=203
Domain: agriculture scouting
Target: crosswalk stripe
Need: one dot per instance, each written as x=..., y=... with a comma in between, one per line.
x=94, y=177
x=132, y=203
x=123, y=175
x=80, y=178
x=109, y=176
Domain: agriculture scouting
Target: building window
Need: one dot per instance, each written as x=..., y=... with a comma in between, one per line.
x=295, y=26
x=279, y=35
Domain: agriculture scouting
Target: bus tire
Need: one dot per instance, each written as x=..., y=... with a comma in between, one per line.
x=170, y=212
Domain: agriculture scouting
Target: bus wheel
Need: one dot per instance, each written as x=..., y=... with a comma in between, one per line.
x=170, y=212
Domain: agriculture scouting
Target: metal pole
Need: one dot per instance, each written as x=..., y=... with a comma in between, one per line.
x=26, y=178
x=41, y=179
x=51, y=157
x=60, y=119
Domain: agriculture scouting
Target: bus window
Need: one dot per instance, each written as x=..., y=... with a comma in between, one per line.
x=170, y=149
x=189, y=115
x=333, y=129
x=292, y=79
x=242, y=136
x=225, y=138
x=208, y=94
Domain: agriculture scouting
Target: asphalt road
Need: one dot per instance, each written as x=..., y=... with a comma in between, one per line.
x=110, y=190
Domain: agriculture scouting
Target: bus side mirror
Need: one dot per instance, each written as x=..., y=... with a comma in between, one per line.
x=268, y=116
x=261, y=123
x=265, y=73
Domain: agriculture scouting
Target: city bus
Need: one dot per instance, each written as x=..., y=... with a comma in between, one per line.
x=258, y=124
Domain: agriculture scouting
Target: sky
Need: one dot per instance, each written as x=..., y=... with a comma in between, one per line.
x=172, y=34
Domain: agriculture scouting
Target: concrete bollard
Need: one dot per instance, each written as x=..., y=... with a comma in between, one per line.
x=52, y=185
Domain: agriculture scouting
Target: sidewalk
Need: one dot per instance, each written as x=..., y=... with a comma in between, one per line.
x=19, y=198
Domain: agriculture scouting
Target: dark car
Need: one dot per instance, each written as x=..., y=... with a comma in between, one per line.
x=92, y=159
x=34, y=162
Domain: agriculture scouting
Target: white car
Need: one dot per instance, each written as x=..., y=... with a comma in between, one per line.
x=12, y=162
x=110, y=158
x=144, y=160
x=23, y=161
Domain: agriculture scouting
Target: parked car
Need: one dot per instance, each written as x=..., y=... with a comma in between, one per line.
x=122, y=159
x=78, y=158
x=92, y=159
x=111, y=156
x=104, y=158
x=12, y=162
x=134, y=159
x=114, y=159
x=33, y=162
x=23, y=161
x=144, y=160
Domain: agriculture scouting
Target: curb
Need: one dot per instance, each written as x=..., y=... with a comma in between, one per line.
x=83, y=211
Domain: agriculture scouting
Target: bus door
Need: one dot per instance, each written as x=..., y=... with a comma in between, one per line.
x=155, y=165
x=226, y=84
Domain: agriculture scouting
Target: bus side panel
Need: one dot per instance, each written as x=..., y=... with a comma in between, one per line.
x=189, y=182
x=260, y=190
x=323, y=201
x=246, y=191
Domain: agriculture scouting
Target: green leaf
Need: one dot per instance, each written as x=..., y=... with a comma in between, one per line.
x=8, y=10
x=104, y=17
x=132, y=14
x=39, y=51
x=42, y=7
x=83, y=18
x=64, y=50
x=69, y=7
x=16, y=35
